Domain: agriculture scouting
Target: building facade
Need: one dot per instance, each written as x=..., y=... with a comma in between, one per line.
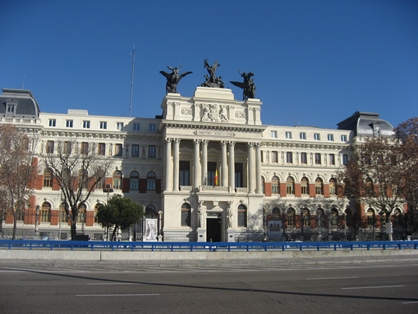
x=207, y=169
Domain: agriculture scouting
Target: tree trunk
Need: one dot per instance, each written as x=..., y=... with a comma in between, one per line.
x=114, y=233
x=14, y=226
x=73, y=230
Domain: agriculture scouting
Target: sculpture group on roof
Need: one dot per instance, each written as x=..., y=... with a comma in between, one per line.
x=212, y=80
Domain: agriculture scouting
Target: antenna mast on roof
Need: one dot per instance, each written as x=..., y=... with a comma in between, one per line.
x=132, y=81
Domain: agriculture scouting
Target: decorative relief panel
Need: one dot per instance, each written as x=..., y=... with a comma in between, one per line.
x=214, y=113
x=187, y=111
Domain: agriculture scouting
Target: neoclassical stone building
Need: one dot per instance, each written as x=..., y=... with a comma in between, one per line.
x=206, y=168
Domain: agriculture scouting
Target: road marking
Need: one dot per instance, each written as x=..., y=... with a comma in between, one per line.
x=332, y=278
x=117, y=295
x=373, y=287
x=412, y=302
x=111, y=283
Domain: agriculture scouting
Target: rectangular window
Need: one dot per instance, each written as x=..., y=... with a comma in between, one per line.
x=50, y=147
x=239, y=175
x=288, y=134
x=332, y=159
x=135, y=151
x=303, y=158
x=317, y=159
x=302, y=135
x=67, y=148
x=84, y=148
x=151, y=184
x=102, y=149
x=69, y=123
x=317, y=137
x=152, y=127
x=86, y=124
x=331, y=137
x=119, y=126
x=273, y=134
x=274, y=157
x=345, y=159
x=118, y=150
x=133, y=184
x=137, y=127
x=52, y=122
x=184, y=173
x=151, y=151
x=289, y=157
x=211, y=173
x=343, y=138
x=103, y=125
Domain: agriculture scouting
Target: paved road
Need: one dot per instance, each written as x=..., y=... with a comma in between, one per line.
x=129, y=288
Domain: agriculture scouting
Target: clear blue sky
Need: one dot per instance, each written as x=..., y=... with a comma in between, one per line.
x=315, y=62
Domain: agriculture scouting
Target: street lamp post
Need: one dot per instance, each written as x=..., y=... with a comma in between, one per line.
x=160, y=231
x=36, y=219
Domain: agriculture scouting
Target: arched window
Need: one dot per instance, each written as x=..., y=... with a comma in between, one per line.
x=151, y=178
x=117, y=180
x=290, y=186
x=370, y=216
x=81, y=217
x=185, y=215
x=305, y=217
x=134, y=181
x=150, y=212
x=319, y=186
x=334, y=217
x=242, y=216
x=290, y=217
x=96, y=210
x=62, y=213
x=276, y=213
x=369, y=189
x=45, y=214
x=320, y=217
x=332, y=186
x=47, y=178
x=304, y=185
x=101, y=176
x=83, y=178
x=275, y=185
x=263, y=182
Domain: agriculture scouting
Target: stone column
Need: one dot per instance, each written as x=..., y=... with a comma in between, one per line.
x=176, y=158
x=205, y=162
x=258, y=188
x=231, y=167
x=168, y=162
x=224, y=172
x=250, y=168
x=197, y=170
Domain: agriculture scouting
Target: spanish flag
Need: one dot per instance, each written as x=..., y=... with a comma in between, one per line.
x=216, y=179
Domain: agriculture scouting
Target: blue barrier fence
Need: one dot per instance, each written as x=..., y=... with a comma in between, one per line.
x=204, y=246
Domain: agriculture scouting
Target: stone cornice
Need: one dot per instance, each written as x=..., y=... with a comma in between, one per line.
x=213, y=126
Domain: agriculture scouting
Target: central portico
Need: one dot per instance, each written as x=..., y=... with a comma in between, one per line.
x=212, y=167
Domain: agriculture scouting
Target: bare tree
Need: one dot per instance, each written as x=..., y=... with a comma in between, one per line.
x=17, y=172
x=77, y=168
x=407, y=133
x=375, y=175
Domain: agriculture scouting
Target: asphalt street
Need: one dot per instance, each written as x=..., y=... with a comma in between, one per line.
x=66, y=287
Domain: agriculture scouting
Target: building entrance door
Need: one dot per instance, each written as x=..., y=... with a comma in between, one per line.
x=213, y=232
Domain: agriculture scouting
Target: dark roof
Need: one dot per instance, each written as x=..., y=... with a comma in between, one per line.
x=366, y=124
x=26, y=104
